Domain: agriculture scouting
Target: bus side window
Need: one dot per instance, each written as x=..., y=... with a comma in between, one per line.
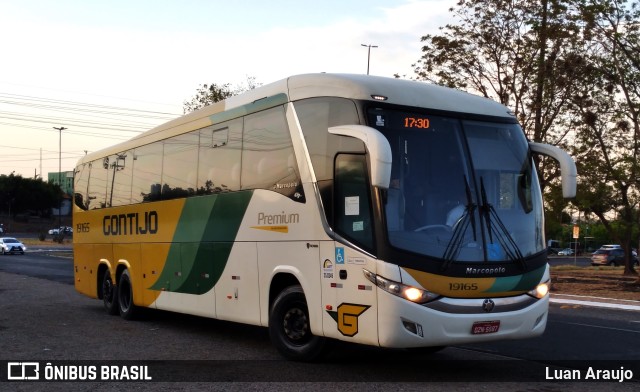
x=81, y=186
x=219, y=158
x=147, y=164
x=352, y=199
x=98, y=185
x=268, y=160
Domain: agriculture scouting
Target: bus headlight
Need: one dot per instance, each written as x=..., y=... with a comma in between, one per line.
x=409, y=293
x=541, y=290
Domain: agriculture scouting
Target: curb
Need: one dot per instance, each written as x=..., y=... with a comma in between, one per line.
x=598, y=302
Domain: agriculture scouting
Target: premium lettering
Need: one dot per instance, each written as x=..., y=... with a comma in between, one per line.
x=277, y=219
x=130, y=224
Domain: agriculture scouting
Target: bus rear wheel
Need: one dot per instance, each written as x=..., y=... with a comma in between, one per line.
x=109, y=294
x=128, y=310
x=290, y=329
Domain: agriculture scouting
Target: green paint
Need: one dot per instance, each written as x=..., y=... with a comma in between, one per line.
x=202, y=242
x=207, y=265
x=257, y=106
x=525, y=282
x=333, y=314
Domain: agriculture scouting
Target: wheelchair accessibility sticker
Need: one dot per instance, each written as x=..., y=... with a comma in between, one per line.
x=339, y=255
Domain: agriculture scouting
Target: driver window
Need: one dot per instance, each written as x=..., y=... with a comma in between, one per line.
x=352, y=200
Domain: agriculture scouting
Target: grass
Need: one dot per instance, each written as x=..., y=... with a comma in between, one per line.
x=47, y=242
x=599, y=268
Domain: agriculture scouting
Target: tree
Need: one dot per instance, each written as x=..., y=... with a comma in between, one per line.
x=520, y=53
x=609, y=119
x=19, y=195
x=209, y=94
x=569, y=70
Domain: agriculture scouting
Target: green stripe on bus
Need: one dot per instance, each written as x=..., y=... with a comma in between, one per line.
x=257, y=106
x=524, y=282
x=202, y=243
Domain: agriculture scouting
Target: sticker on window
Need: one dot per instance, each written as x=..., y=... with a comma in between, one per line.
x=352, y=205
x=358, y=226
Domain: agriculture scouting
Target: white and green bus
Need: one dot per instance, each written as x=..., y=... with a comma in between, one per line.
x=379, y=211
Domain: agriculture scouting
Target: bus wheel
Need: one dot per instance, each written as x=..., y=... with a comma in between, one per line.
x=289, y=327
x=109, y=294
x=128, y=310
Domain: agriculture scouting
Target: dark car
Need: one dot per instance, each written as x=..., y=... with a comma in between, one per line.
x=610, y=257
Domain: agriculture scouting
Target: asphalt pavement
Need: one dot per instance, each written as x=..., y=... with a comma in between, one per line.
x=563, y=299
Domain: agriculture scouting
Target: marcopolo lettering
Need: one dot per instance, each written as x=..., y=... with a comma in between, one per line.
x=131, y=223
x=488, y=271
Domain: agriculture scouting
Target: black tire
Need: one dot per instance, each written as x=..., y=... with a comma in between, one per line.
x=290, y=329
x=109, y=294
x=128, y=310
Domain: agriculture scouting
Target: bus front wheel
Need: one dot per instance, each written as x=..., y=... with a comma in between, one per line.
x=128, y=310
x=290, y=329
x=109, y=294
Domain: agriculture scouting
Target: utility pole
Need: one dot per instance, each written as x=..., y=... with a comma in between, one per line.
x=368, y=54
x=60, y=129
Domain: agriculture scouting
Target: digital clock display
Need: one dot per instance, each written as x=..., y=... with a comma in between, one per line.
x=416, y=122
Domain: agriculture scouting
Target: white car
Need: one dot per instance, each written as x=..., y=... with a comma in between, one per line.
x=62, y=229
x=11, y=245
x=565, y=252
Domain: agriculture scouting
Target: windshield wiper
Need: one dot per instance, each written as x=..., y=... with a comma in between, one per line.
x=495, y=227
x=468, y=218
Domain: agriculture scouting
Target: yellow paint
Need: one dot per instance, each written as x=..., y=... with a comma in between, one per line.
x=153, y=257
x=277, y=229
x=93, y=223
x=453, y=286
x=144, y=254
x=348, y=318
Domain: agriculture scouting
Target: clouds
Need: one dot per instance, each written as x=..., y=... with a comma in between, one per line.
x=123, y=49
x=161, y=57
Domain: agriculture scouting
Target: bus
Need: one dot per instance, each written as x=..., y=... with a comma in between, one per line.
x=355, y=208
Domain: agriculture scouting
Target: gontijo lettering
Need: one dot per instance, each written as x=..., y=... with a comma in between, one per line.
x=129, y=224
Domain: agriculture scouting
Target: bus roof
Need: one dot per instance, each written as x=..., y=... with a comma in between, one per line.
x=360, y=87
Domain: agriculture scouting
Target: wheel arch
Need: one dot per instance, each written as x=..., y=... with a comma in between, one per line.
x=281, y=281
x=122, y=265
x=288, y=276
x=104, y=267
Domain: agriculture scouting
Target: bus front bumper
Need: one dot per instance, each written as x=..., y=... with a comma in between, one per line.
x=447, y=321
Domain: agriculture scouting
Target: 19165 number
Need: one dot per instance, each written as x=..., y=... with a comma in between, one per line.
x=463, y=286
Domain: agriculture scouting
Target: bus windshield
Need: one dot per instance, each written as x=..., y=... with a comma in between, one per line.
x=460, y=190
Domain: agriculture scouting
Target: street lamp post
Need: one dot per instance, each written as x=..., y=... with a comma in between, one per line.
x=60, y=129
x=368, y=54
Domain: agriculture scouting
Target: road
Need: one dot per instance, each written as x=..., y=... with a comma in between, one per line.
x=580, y=261
x=42, y=318
x=46, y=263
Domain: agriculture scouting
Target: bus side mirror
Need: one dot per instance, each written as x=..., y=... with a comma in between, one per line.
x=568, y=170
x=378, y=148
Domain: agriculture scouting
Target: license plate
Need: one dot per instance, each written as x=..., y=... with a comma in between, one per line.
x=482, y=327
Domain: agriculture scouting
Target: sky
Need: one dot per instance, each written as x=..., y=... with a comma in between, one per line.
x=108, y=70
